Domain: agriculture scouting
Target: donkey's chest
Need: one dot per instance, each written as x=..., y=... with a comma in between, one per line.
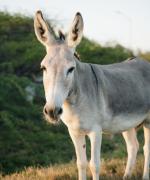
x=76, y=119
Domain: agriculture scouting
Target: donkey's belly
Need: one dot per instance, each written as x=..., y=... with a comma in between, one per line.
x=122, y=123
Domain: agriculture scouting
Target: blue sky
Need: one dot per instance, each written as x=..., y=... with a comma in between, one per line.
x=123, y=21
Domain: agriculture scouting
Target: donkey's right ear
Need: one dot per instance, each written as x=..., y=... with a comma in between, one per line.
x=43, y=32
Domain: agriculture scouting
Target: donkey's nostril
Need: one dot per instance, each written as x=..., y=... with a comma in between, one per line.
x=59, y=111
x=45, y=110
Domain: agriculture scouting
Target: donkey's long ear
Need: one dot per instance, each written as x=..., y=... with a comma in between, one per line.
x=76, y=31
x=43, y=32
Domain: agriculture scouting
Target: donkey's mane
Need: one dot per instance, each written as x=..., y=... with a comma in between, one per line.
x=77, y=56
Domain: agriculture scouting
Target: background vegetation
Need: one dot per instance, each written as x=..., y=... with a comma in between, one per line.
x=25, y=138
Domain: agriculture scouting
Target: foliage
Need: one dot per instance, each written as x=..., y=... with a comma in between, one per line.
x=92, y=52
x=145, y=55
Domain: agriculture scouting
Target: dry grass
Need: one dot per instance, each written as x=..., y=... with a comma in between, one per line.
x=110, y=170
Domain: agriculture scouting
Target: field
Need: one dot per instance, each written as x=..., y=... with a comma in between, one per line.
x=112, y=169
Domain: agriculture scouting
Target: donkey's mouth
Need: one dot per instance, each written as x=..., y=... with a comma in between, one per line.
x=51, y=120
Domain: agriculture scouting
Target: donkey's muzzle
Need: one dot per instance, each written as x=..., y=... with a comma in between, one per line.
x=53, y=114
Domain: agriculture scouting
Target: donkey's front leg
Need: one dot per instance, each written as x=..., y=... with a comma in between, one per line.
x=80, y=147
x=95, y=139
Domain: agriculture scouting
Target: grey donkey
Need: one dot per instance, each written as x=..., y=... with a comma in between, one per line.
x=91, y=99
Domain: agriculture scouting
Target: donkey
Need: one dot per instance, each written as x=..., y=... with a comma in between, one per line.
x=92, y=98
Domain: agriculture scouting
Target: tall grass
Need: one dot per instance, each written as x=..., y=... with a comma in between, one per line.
x=112, y=169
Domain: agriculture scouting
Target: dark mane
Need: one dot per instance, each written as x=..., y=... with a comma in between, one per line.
x=77, y=55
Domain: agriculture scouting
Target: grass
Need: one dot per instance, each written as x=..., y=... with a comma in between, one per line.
x=111, y=169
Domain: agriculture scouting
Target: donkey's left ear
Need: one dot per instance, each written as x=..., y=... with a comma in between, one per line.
x=76, y=31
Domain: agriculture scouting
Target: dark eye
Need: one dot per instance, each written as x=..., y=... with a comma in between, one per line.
x=43, y=68
x=70, y=70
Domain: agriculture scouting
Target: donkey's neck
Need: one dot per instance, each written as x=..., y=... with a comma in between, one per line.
x=87, y=82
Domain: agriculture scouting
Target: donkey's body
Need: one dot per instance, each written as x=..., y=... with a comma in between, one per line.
x=94, y=98
x=105, y=96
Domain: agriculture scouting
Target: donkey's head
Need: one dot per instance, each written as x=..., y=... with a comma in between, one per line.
x=59, y=63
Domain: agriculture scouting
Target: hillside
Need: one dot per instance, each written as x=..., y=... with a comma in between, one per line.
x=25, y=138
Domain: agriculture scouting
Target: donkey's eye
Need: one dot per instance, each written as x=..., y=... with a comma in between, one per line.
x=43, y=68
x=70, y=70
